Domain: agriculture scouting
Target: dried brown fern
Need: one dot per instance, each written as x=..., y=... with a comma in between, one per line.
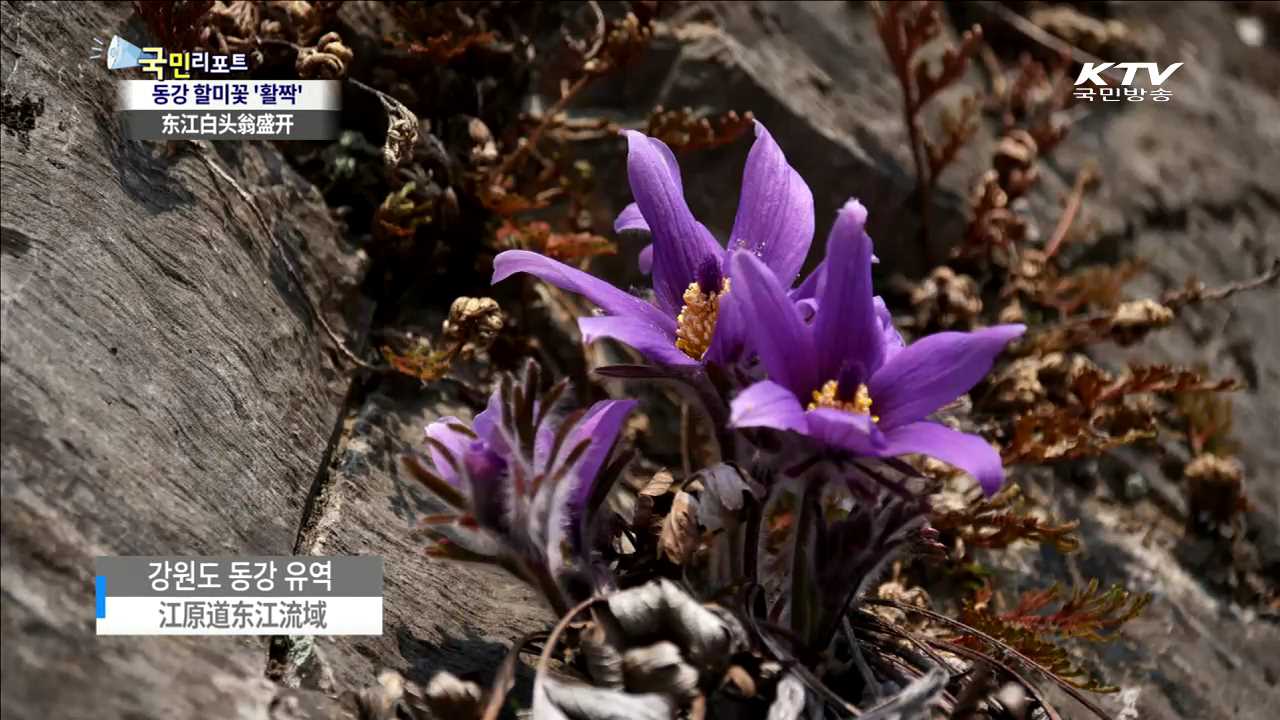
x=1132, y=321
x=684, y=131
x=904, y=29
x=1001, y=520
x=572, y=248
x=471, y=327
x=175, y=24
x=1034, y=629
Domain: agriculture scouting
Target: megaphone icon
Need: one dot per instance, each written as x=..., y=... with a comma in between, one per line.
x=122, y=54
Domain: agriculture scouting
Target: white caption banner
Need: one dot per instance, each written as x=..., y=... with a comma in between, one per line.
x=192, y=95
x=239, y=615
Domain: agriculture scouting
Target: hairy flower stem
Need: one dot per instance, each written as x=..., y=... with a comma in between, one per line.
x=541, y=579
x=751, y=543
x=712, y=400
x=802, y=609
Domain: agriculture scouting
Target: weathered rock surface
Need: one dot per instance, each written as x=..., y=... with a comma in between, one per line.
x=166, y=390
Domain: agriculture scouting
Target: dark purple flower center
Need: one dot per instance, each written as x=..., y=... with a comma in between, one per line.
x=483, y=465
x=708, y=276
x=847, y=392
x=851, y=376
x=696, y=323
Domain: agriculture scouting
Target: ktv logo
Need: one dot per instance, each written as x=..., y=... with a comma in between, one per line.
x=1092, y=81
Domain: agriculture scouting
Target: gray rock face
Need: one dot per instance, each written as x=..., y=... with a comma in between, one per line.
x=166, y=391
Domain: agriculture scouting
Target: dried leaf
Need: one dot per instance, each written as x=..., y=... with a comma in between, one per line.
x=684, y=132
x=726, y=490
x=707, y=635
x=1215, y=491
x=789, y=698
x=472, y=325
x=448, y=696
x=1095, y=286
x=446, y=46
x=1063, y=434
x=402, y=132
x=419, y=362
x=1094, y=388
x=738, y=678
x=505, y=203
x=1104, y=38
x=659, y=668
x=946, y=300
x=904, y=28
x=657, y=486
x=1086, y=614
x=578, y=247
x=1001, y=520
x=175, y=23
x=328, y=60
x=558, y=700
x=626, y=39
x=1209, y=420
x=679, y=537
x=602, y=649
x=379, y=702
x=574, y=248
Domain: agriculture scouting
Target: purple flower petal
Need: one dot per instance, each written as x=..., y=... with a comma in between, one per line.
x=456, y=442
x=485, y=472
x=655, y=343
x=729, y=342
x=680, y=243
x=544, y=436
x=890, y=338
x=601, y=424
x=767, y=404
x=645, y=259
x=775, y=210
x=808, y=288
x=854, y=432
x=609, y=298
x=807, y=308
x=775, y=330
x=846, y=331
x=968, y=452
x=488, y=425
x=935, y=370
x=630, y=219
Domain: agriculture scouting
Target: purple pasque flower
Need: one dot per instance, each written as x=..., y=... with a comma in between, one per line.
x=687, y=323
x=523, y=479
x=844, y=377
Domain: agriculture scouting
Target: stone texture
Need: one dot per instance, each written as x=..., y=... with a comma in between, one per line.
x=166, y=391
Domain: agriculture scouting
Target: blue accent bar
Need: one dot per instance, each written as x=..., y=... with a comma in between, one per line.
x=100, y=593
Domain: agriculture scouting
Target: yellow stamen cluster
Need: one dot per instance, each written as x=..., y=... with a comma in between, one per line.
x=696, y=323
x=828, y=397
